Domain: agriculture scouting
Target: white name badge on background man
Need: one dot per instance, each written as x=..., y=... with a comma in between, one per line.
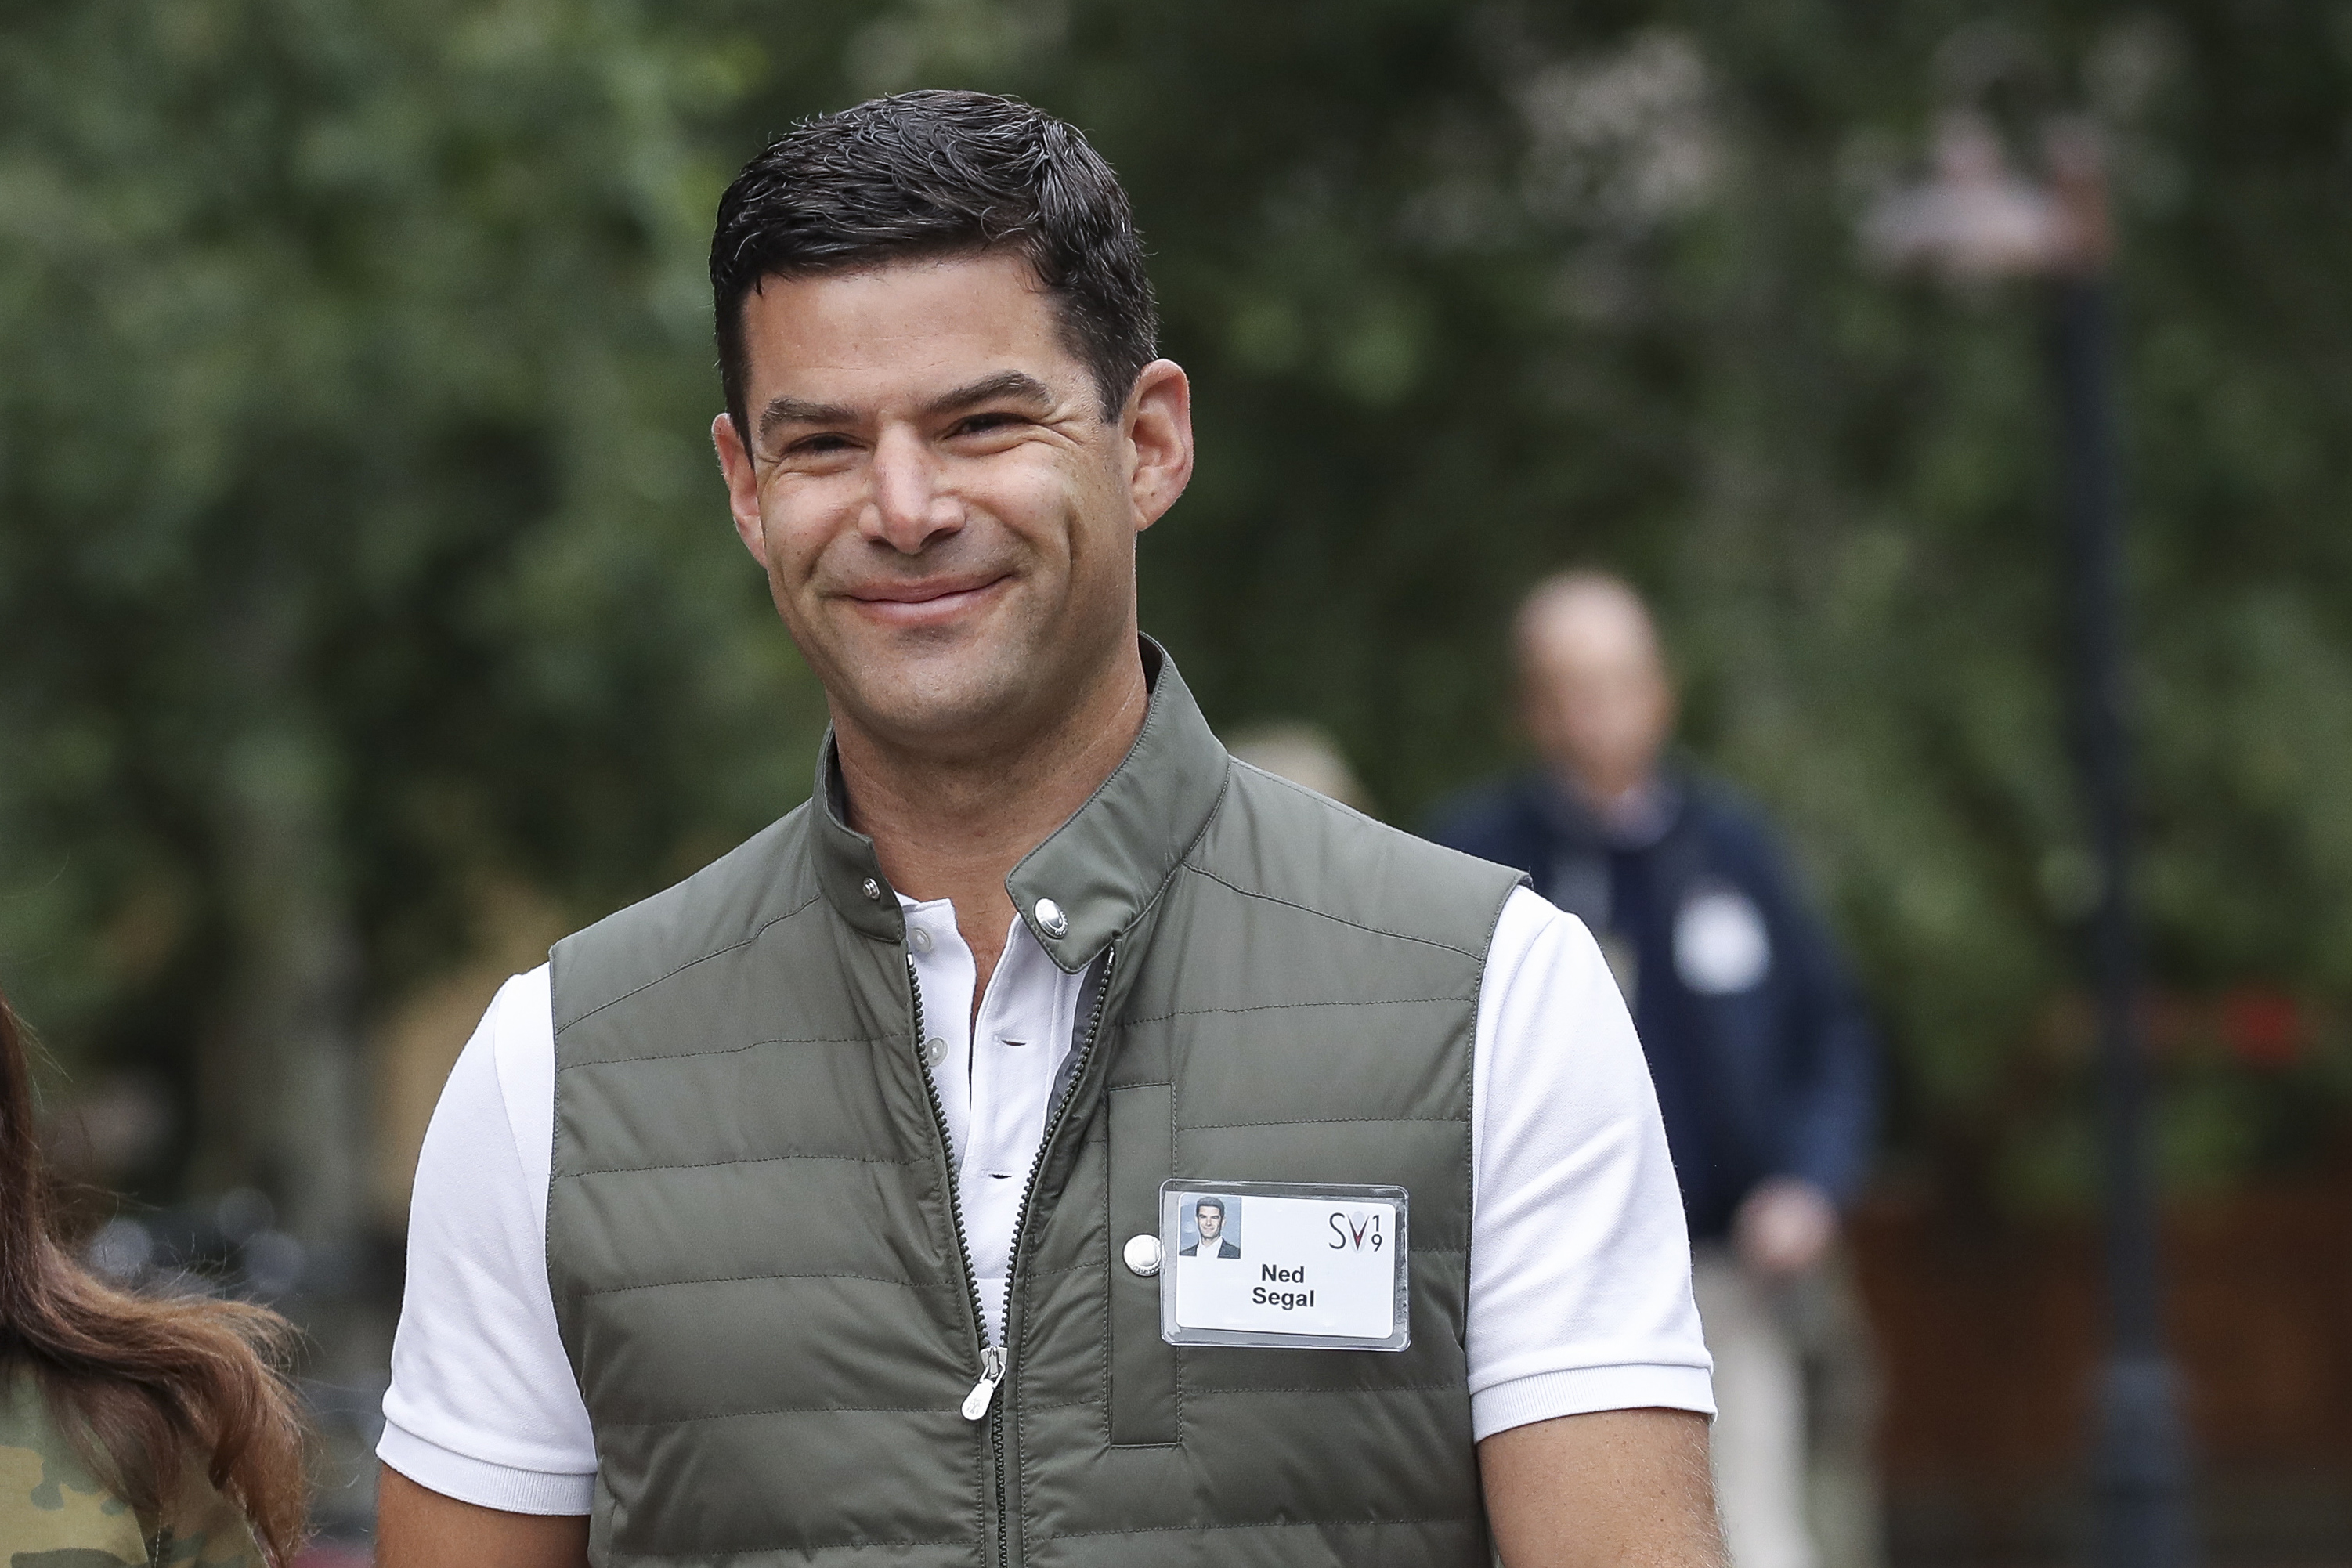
x=1284, y=1266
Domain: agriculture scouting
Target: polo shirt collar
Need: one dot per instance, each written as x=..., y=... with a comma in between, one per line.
x=1099, y=870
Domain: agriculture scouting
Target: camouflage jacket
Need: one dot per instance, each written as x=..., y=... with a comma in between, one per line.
x=55, y=1514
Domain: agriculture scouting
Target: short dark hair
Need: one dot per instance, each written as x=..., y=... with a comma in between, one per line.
x=938, y=174
x=1216, y=1203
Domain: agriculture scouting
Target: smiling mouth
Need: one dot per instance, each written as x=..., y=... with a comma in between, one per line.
x=919, y=603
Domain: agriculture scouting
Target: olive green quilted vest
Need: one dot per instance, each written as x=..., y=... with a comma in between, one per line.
x=755, y=1247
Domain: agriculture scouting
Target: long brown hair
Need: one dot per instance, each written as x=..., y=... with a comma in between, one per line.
x=143, y=1385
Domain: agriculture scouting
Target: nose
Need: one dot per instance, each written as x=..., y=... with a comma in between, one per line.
x=909, y=508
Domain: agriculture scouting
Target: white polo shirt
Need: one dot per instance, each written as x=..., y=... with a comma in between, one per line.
x=1579, y=1268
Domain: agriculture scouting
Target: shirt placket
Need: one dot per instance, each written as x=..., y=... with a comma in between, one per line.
x=995, y=1075
x=944, y=968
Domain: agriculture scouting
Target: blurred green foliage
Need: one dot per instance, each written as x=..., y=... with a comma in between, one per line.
x=356, y=510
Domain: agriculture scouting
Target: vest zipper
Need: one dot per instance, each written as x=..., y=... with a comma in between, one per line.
x=991, y=1372
x=992, y=1357
x=997, y=1408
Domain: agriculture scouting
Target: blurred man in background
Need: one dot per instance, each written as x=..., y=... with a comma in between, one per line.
x=1763, y=1064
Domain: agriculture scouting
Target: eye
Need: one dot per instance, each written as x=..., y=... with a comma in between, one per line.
x=980, y=424
x=816, y=444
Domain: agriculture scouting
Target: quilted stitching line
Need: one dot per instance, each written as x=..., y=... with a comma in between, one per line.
x=1267, y=1524
x=876, y=1041
x=758, y=1159
x=1287, y=1006
x=762, y=1278
x=1326, y=915
x=791, y=913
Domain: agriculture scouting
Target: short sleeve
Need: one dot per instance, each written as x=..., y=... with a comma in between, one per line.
x=1579, y=1262
x=483, y=1406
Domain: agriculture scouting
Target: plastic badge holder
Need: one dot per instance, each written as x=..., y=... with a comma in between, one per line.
x=1287, y=1266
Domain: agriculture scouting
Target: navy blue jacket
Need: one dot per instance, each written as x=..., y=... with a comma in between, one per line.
x=1763, y=1061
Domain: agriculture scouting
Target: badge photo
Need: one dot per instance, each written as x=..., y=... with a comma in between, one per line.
x=1285, y=1265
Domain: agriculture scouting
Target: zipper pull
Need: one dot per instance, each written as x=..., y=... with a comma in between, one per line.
x=991, y=1372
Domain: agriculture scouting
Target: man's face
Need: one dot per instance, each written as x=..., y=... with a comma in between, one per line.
x=1211, y=1221
x=946, y=518
x=1594, y=696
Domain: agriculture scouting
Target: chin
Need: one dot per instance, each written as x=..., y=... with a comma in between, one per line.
x=957, y=704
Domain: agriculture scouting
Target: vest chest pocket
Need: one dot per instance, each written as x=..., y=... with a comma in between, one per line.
x=1143, y=1411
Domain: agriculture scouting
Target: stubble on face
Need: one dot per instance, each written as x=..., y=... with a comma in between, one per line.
x=943, y=514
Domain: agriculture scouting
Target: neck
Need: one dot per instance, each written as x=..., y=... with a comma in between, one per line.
x=1615, y=796
x=953, y=826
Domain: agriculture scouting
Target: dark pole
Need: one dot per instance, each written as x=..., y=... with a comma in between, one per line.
x=2141, y=1468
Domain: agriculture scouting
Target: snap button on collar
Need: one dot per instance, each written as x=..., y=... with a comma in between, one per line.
x=871, y=888
x=1050, y=917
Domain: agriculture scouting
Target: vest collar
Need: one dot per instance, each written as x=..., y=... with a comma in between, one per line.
x=1100, y=869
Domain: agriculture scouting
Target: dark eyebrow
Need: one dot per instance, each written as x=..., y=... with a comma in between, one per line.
x=1009, y=384
x=785, y=411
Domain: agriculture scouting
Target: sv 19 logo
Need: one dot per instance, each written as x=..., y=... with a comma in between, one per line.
x=1352, y=1230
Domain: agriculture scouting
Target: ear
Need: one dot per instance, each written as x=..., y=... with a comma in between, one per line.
x=1539, y=720
x=742, y=486
x=1157, y=425
x=1670, y=705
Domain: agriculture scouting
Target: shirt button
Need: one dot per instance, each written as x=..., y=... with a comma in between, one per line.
x=935, y=1051
x=1141, y=1254
x=1050, y=917
x=919, y=940
x=871, y=888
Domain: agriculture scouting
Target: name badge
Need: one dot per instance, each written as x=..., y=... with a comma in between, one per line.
x=1284, y=1264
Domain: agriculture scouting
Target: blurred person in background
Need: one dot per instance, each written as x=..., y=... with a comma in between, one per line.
x=1764, y=1064
x=1305, y=754
x=132, y=1431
